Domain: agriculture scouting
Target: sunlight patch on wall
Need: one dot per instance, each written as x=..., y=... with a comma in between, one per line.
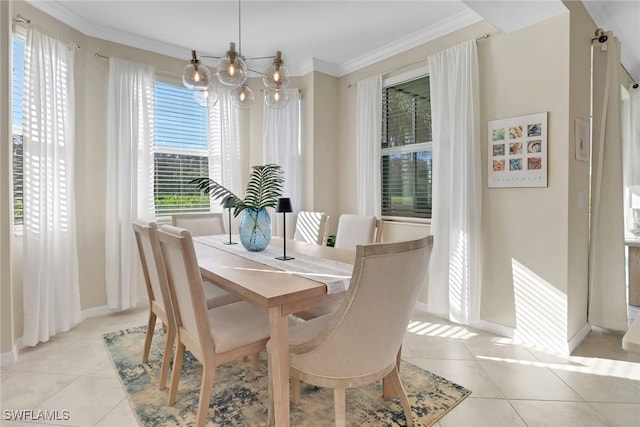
x=541, y=310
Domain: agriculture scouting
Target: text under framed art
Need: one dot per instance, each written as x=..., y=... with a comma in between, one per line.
x=518, y=151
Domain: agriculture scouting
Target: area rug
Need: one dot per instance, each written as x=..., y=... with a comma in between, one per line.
x=239, y=395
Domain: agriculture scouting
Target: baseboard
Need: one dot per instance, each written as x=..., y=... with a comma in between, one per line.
x=10, y=357
x=578, y=338
x=96, y=311
x=494, y=328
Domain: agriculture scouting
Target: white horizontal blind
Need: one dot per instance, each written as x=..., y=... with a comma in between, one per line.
x=16, y=121
x=181, y=151
x=406, y=149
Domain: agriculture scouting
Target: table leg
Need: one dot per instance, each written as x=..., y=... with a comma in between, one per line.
x=279, y=327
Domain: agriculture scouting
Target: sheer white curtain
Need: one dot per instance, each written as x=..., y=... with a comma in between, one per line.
x=368, y=134
x=129, y=175
x=631, y=158
x=282, y=146
x=51, y=292
x=607, y=284
x=225, y=161
x=454, y=278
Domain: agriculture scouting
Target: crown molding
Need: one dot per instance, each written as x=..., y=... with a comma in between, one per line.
x=72, y=19
x=456, y=22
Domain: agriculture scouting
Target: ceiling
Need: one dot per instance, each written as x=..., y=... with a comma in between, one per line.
x=335, y=37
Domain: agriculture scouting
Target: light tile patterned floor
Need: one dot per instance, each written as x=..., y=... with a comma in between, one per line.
x=513, y=385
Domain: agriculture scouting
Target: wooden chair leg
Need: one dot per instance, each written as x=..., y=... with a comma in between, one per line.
x=270, y=415
x=295, y=391
x=340, y=404
x=388, y=391
x=166, y=358
x=255, y=359
x=175, y=373
x=394, y=379
x=151, y=325
x=206, y=387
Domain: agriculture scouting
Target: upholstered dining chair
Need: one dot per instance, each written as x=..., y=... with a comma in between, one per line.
x=356, y=230
x=214, y=336
x=353, y=230
x=154, y=272
x=311, y=227
x=367, y=329
x=157, y=292
x=200, y=224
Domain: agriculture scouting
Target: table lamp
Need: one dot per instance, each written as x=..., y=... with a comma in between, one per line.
x=228, y=204
x=284, y=206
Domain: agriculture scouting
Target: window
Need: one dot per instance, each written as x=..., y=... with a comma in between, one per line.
x=406, y=149
x=16, y=124
x=181, y=151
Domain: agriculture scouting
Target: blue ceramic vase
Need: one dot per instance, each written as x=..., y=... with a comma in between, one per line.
x=255, y=229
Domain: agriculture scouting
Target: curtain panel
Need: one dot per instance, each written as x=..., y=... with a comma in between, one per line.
x=368, y=145
x=455, y=277
x=130, y=144
x=281, y=146
x=51, y=292
x=607, y=284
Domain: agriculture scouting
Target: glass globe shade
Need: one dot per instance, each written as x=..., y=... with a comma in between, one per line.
x=276, y=98
x=232, y=71
x=195, y=76
x=242, y=97
x=276, y=77
x=207, y=97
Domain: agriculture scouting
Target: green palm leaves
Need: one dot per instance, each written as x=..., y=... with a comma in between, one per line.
x=263, y=189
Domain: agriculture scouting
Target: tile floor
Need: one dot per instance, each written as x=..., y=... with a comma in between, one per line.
x=513, y=385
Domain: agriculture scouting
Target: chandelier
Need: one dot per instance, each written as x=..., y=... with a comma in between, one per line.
x=232, y=71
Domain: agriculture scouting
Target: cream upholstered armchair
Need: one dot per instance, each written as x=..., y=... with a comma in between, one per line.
x=155, y=277
x=215, y=336
x=359, y=343
x=200, y=224
x=311, y=227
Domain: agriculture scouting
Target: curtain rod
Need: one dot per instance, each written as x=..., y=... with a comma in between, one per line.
x=482, y=37
x=19, y=19
x=634, y=82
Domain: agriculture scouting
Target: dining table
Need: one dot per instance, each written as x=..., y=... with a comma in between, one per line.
x=280, y=287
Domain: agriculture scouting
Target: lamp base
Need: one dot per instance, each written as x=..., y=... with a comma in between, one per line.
x=230, y=243
x=285, y=258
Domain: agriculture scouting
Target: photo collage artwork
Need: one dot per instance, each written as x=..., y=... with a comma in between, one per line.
x=518, y=151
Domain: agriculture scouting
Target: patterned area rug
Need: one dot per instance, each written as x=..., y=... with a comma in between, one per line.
x=240, y=395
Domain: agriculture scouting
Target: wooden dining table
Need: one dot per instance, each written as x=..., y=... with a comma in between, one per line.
x=279, y=292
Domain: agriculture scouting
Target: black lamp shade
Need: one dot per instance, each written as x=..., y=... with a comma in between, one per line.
x=284, y=205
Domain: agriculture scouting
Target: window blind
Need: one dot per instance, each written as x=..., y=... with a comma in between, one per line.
x=17, y=83
x=181, y=145
x=406, y=156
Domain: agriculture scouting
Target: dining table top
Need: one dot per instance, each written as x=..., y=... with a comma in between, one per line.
x=265, y=285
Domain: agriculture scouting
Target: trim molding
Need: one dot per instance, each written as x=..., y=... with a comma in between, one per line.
x=579, y=337
x=10, y=357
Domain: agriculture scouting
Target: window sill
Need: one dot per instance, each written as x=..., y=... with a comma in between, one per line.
x=407, y=220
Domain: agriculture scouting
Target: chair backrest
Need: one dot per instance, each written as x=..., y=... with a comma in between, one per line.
x=368, y=327
x=311, y=227
x=200, y=224
x=152, y=265
x=186, y=288
x=355, y=230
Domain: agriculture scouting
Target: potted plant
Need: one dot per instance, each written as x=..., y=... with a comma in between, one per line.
x=262, y=191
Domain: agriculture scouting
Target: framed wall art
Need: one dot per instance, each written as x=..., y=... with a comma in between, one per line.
x=518, y=151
